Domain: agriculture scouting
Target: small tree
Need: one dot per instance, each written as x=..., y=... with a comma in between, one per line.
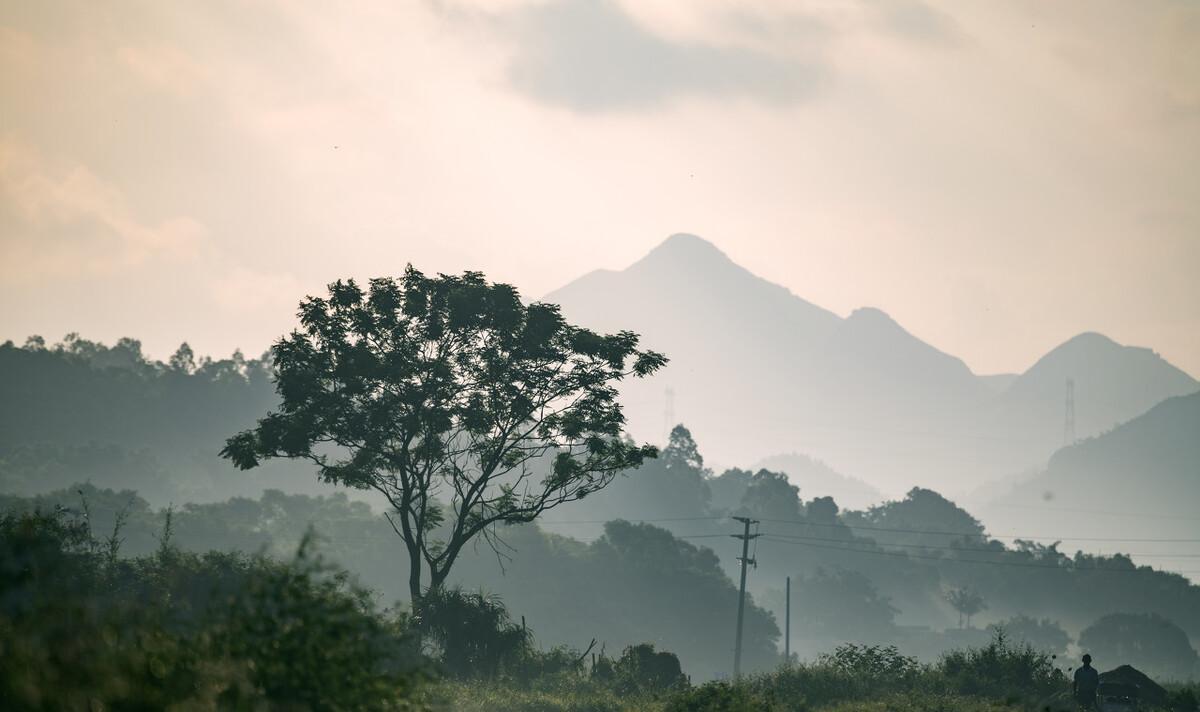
x=967, y=602
x=462, y=406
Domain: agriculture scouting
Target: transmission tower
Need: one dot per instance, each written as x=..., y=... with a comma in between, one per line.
x=1069, y=420
x=668, y=414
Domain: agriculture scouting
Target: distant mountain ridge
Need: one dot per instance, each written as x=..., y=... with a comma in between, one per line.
x=756, y=370
x=1141, y=478
x=816, y=479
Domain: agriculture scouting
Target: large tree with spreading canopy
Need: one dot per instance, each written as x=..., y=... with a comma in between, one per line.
x=465, y=408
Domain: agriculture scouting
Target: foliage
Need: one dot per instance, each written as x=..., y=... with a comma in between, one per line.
x=642, y=669
x=82, y=629
x=841, y=604
x=967, y=602
x=1146, y=641
x=444, y=395
x=1044, y=634
x=674, y=486
x=921, y=509
x=881, y=666
x=471, y=634
x=82, y=411
x=721, y=696
x=769, y=495
x=858, y=678
x=1001, y=670
x=559, y=693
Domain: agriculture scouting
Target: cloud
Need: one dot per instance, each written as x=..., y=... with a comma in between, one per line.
x=69, y=220
x=591, y=56
x=919, y=21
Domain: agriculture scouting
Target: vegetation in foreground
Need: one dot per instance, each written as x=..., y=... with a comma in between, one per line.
x=83, y=628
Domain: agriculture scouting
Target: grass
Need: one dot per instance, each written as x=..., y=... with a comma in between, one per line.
x=556, y=695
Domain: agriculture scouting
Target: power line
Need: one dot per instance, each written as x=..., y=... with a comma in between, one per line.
x=957, y=548
x=897, y=530
x=635, y=521
x=890, y=530
x=1016, y=564
x=1107, y=512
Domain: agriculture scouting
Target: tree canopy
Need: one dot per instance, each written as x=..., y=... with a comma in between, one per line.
x=458, y=403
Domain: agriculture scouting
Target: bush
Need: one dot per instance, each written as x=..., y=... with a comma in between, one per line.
x=81, y=628
x=555, y=693
x=1001, y=670
x=642, y=669
x=722, y=696
x=471, y=634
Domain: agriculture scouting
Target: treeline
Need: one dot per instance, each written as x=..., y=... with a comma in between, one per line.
x=895, y=572
x=79, y=410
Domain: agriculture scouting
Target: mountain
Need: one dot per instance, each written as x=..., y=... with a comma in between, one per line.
x=1112, y=383
x=816, y=479
x=1142, y=479
x=756, y=369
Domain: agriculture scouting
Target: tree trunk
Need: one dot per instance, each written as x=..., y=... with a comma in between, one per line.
x=414, y=579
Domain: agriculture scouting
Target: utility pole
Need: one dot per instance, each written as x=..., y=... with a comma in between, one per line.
x=745, y=536
x=787, y=626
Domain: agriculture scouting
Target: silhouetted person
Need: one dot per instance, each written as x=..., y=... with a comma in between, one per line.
x=1086, y=682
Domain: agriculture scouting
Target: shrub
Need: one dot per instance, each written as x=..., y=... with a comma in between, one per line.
x=1001, y=670
x=81, y=628
x=471, y=634
x=642, y=669
x=721, y=696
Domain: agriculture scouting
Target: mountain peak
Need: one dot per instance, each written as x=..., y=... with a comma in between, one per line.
x=872, y=316
x=685, y=248
x=1089, y=339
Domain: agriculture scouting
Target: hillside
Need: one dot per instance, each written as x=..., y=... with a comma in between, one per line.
x=81, y=411
x=1140, y=480
x=816, y=479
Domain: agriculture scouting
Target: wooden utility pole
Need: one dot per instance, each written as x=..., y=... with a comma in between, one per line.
x=745, y=536
x=787, y=626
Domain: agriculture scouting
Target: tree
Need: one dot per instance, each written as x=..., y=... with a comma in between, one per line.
x=770, y=495
x=967, y=602
x=921, y=509
x=841, y=604
x=462, y=406
x=1044, y=635
x=1146, y=641
x=183, y=360
x=681, y=451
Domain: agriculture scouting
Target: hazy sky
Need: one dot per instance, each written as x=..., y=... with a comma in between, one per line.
x=997, y=176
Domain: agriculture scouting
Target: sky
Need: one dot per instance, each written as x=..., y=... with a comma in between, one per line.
x=996, y=176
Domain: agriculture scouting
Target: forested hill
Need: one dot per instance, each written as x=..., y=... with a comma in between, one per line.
x=82, y=411
x=1141, y=479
